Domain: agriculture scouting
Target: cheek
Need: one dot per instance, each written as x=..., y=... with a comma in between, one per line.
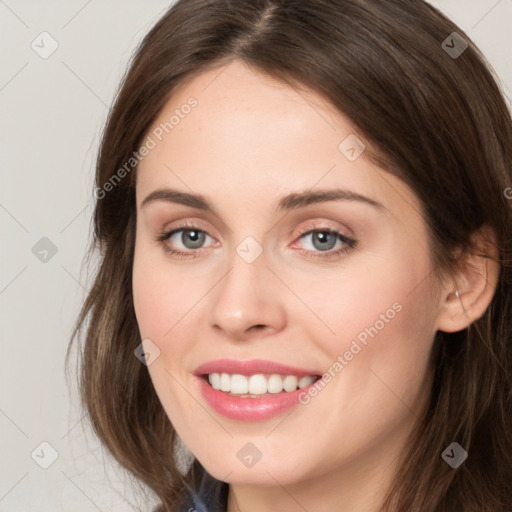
x=161, y=295
x=160, y=301
x=374, y=296
x=147, y=299
x=377, y=327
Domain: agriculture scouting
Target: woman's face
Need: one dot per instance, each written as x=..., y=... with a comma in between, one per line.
x=278, y=282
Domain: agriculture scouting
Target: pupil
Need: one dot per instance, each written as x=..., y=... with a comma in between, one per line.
x=323, y=237
x=196, y=238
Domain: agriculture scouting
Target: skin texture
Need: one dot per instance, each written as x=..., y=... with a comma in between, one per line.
x=248, y=142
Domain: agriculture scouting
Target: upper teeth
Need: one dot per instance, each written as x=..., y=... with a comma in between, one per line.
x=257, y=384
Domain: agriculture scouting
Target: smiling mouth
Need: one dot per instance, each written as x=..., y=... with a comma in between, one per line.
x=257, y=385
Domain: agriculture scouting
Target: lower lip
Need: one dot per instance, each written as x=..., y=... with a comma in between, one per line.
x=250, y=409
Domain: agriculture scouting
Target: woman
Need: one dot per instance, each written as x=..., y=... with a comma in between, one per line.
x=305, y=276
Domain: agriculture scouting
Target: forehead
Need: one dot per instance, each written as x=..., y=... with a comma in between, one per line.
x=248, y=136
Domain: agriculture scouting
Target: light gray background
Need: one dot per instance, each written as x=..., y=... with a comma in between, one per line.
x=52, y=112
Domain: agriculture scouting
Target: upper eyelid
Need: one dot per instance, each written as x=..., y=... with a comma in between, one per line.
x=184, y=225
x=323, y=225
x=314, y=225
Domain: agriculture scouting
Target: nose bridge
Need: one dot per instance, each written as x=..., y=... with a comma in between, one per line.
x=245, y=297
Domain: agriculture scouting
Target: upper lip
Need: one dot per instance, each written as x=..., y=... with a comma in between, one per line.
x=251, y=367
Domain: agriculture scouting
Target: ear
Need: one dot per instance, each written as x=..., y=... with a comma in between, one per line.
x=475, y=281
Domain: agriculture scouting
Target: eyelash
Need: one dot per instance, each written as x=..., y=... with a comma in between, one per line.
x=348, y=243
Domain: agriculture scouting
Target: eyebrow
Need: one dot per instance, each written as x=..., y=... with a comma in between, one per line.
x=289, y=202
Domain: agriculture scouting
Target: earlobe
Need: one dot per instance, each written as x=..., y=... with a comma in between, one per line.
x=467, y=297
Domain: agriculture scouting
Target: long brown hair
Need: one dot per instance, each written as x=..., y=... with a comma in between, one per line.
x=436, y=120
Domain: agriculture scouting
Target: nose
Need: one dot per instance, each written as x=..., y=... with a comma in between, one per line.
x=248, y=301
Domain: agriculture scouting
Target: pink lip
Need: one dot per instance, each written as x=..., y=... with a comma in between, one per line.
x=249, y=409
x=251, y=367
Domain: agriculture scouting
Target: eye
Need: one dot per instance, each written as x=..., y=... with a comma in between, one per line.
x=190, y=237
x=323, y=240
